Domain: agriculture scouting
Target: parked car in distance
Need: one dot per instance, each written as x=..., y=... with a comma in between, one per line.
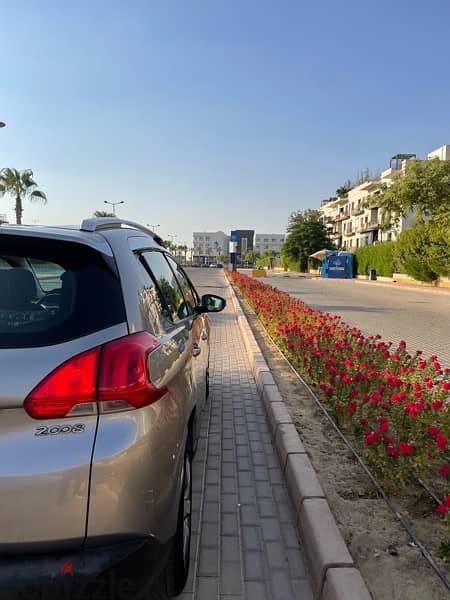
x=104, y=358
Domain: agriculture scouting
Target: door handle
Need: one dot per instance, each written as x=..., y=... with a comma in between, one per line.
x=196, y=351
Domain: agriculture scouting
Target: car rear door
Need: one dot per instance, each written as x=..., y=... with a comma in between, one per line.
x=58, y=301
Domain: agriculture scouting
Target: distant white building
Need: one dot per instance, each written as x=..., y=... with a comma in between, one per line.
x=267, y=242
x=207, y=246
x=443, y=153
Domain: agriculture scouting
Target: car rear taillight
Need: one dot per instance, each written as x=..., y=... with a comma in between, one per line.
x=116, y=376
x=124, y=375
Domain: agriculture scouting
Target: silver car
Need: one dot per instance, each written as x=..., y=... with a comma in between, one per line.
x=104, y=352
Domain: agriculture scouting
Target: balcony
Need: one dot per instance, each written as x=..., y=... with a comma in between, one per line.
x=370, y=226
x=342, y=216
x=357, y=211
x=349, y=233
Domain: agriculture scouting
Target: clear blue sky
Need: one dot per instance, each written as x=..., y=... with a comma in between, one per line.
x=205, y=114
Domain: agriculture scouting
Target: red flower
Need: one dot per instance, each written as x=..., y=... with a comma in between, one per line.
x=406, y=448
x=447, y=501
x=372, y=437
x=442, y=509
x=444, y=470
x=352, y=407
x=384, y=424
x=364, y=422
x=393, y=452
x=433, y=430
x=441, y=441
x=446, y=386
x=437, y=404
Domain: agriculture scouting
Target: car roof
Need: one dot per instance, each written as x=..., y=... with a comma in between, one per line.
x=92, y=232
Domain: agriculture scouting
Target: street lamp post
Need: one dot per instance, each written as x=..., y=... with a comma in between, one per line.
x=114, y=204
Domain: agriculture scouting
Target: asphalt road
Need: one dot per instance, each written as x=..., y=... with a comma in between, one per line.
x=421, y=318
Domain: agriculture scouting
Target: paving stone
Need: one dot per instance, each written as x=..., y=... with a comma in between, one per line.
x=253, y=566
x=251, y=539
x=207, y=588
x=208, y=562
x=255, y=590
x=229, y=524
x=230, y=578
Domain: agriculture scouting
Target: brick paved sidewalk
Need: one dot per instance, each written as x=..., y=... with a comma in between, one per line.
x=244, y=539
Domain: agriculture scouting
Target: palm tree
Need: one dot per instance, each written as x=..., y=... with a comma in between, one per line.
x=103, y=213
x=184, y=249
x=20, y=185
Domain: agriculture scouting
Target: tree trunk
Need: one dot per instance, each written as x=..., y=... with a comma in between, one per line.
x=19, y=210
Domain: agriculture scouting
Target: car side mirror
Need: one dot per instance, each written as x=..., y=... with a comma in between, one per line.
x=211, y=303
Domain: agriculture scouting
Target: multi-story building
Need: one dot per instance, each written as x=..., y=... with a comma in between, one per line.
x=352, y=223
x=208, y=246
x=269, y=242
x=244, y=239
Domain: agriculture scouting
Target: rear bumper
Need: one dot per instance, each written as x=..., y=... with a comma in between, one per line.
x=121, y=570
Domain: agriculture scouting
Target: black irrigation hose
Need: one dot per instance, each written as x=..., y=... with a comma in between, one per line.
x=401, y=519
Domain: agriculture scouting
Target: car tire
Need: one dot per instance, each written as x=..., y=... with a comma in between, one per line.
x=175, y=573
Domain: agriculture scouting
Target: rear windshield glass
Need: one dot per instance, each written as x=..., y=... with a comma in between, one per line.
x=53, y=291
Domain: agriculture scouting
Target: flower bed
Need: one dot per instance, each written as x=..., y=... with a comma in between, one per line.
x=396, y=402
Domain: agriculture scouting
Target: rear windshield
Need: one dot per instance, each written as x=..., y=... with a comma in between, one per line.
x=53, y=292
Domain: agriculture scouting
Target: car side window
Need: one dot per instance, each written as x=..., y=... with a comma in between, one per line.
x=166, y=283
x=188, y=291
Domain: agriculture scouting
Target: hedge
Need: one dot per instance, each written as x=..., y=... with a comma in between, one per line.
x=379, y=257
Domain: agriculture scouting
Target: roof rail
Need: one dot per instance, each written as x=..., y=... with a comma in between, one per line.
x=101, y=223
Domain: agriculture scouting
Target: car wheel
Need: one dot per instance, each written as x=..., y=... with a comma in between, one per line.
x=175, y=573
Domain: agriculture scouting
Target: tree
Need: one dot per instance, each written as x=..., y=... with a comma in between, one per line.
x=103, y=213
x=20, y=185
x=184, y=249
x=306, y=234
x=342, y=191
x=169, y=245
x=424, y=190
x=267, y=259
x=251, y=256
x=223, y=258
x=411, y=252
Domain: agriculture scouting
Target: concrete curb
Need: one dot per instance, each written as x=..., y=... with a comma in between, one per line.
x=334, y=575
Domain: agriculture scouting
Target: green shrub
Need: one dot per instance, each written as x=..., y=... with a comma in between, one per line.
x=379, y=257
x=419, y=270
